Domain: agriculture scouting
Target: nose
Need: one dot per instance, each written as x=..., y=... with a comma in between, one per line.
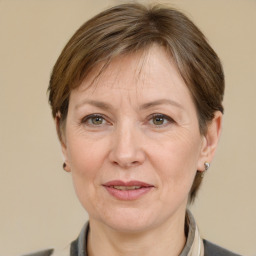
x=127, y=147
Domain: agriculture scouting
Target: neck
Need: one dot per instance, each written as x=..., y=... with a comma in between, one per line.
x=170, y=241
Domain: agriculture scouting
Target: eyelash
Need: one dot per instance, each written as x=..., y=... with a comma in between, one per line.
x=166, y=119
x=89, y=118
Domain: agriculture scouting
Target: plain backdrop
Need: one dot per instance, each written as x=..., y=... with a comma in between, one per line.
x=38, y=206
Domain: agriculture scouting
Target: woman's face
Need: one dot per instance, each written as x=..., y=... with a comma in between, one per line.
x=132, y=143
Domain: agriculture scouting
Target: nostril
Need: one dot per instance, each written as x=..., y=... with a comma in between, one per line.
x=126, y=164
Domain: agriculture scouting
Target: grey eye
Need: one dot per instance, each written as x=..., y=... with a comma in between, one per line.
x=94, y=120
x=97, y=120
x=158, y=120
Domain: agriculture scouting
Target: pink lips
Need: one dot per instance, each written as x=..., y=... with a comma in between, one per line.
x=131, y=190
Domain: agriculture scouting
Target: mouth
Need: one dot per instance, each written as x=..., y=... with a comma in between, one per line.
x=131, y=190
x=126, y=187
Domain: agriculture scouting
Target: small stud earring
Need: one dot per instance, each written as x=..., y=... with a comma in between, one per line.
x=206, y=167
x=64, y=166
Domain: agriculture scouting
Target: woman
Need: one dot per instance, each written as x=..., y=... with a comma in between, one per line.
x=137, y=99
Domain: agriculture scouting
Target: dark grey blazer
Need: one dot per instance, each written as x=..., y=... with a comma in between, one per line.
x=214, y=250
x=209, y=250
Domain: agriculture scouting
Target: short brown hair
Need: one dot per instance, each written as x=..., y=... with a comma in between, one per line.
x=128, y=28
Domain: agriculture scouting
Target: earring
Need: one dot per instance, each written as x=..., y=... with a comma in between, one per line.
x=206, y=167
x=64, y=166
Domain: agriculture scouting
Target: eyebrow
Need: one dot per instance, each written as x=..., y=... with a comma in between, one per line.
x=106, y=106
x=98, y=104
x=161, y=102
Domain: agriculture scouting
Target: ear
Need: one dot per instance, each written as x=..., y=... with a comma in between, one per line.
x=210, y=140
x=61, y=137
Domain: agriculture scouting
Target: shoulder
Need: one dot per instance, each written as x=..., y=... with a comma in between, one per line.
x=47, y=252
x=211, y=249
x=64, y=251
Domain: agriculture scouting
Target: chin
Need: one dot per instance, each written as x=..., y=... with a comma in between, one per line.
x=129, y=220
x=129, y=226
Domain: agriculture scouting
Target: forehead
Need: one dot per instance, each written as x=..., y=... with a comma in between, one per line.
x=134, y=81
x=150, y=69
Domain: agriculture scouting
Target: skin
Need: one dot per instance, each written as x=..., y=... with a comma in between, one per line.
x=127, y=142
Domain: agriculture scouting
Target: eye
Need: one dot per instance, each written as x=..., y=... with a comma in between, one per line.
x=160, y=120
x=94, y=120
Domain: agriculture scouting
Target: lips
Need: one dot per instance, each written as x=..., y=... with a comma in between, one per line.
x=126, y=187
x=131, y=190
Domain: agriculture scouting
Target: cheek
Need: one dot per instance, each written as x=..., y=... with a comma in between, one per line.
x=86, y=158
x=86, y=161
x=176, y=160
